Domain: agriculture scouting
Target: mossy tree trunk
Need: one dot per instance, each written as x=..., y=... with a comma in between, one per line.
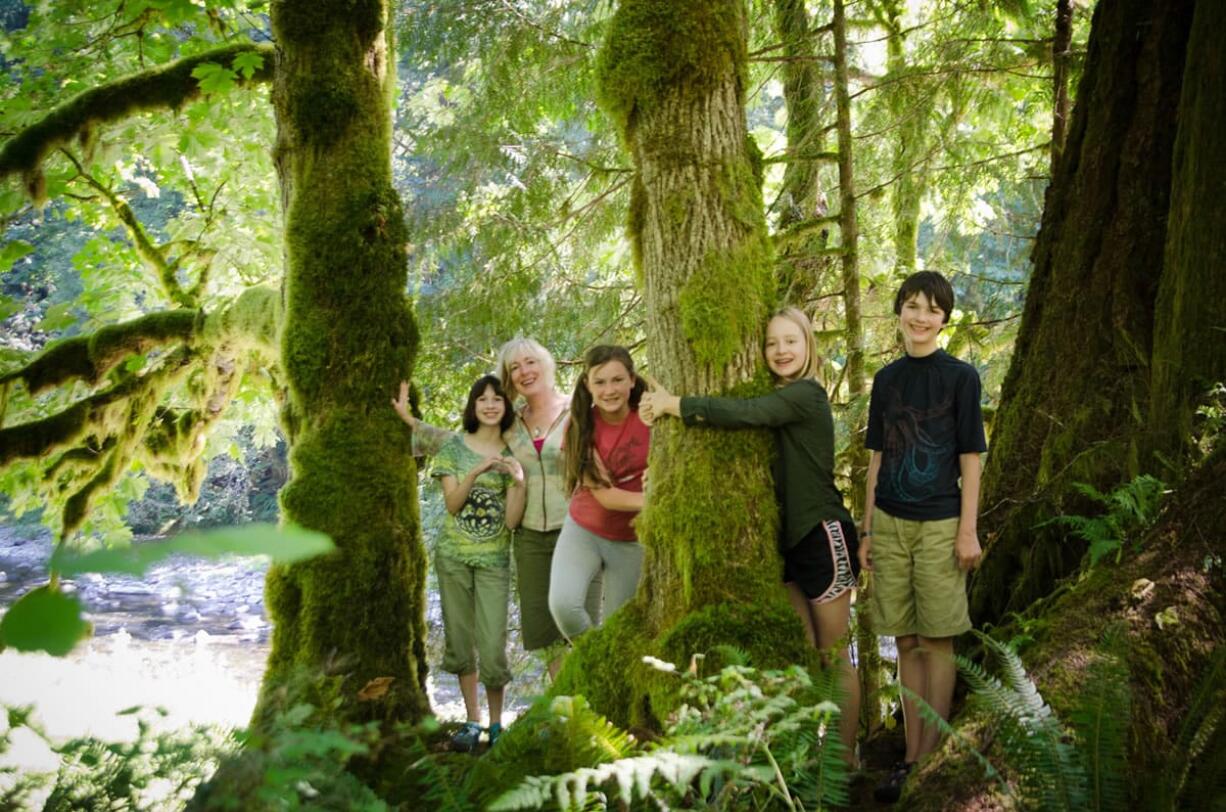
x=911, y=119
x=347, y=336
x=1075, y=402
x=804, y=264
x=673, y=76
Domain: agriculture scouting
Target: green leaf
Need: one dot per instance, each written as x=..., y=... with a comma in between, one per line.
x=282, y=546
x=8, y=306
x=247, y=64
x=44, y=619
x=56, y=318
x=13, y=251
x=214, y=78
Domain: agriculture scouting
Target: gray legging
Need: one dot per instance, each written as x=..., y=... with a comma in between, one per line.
x=579, y=557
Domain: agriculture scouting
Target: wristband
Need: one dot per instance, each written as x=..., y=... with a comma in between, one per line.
x=864, y=533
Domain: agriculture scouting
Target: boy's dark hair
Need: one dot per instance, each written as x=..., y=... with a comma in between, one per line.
x=471, y=424
x=931, y=284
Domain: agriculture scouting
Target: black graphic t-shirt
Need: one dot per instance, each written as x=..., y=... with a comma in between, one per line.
x=923, y=413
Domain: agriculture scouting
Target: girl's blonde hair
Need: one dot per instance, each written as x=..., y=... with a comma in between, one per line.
x=813, y=361
x=516, y=346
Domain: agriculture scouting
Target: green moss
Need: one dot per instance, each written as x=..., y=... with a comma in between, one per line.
x=305, y=23
x=707, y=503
x=322, y=110
x=717, y=332
x=651, y=46
x=615, y=692
x=635, y=695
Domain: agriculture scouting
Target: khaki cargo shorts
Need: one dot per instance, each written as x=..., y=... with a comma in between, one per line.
x=917, y=586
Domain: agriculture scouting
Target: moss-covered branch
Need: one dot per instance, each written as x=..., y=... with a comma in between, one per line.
x=91, y=357
x=102, y=414
x=166, y=87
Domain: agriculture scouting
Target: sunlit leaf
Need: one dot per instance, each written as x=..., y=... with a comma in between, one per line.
x=44, y=619
x=283, y=546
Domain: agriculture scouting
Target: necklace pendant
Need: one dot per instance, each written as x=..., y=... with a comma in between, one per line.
x=536, y=431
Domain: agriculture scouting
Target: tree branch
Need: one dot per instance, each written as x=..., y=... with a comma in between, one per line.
x=166, y=87
x=91, y=357
x=153, y=256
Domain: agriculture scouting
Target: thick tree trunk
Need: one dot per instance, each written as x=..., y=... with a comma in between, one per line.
x=710, y=575
x=1121, y=336
x=348, y=335
x=1074, y=400
x=1189, y=353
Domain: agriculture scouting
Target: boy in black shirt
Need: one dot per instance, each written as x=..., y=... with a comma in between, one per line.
x=919, y=538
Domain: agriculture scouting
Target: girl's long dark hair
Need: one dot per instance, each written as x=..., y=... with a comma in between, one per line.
x=578, y=460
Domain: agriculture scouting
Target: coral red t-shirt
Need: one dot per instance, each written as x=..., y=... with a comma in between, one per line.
x=623, y=448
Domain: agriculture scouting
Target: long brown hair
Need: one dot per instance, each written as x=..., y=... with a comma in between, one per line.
x=578, y=460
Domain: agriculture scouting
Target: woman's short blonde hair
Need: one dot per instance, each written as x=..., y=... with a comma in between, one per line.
x=813, y=361
x=523, y=345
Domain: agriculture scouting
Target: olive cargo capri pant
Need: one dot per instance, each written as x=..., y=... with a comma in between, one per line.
x=475, y=619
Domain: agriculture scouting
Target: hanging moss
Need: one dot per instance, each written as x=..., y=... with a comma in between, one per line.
x=651, y=46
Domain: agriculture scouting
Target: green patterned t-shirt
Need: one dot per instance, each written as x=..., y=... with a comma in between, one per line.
x=478, y=535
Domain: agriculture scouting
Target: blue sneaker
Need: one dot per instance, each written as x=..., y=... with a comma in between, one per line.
x=495, y=732
x=466, y=738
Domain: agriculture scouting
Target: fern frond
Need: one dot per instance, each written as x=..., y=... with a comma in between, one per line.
x=630, y=778
x=932, y=717
x=1101, y=718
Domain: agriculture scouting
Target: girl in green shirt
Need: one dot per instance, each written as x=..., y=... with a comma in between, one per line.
x=483, y=489
x=817, y=538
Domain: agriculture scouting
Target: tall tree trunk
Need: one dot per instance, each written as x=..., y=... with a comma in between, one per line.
x=871, y=666
x=910, y=124
x=1075, y=397
x=1060, y=45
x=348, y=335
x=673, y=77
x=804, y=227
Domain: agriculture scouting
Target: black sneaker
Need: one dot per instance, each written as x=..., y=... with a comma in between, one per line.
x=465, y=739
x=889, y=790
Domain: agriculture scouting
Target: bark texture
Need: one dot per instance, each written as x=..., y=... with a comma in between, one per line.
x=1075, y=399
x=348, y=335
